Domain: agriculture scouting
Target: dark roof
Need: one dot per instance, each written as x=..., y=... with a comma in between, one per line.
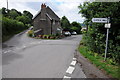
x=52, y=14
x=36, y=15
x=49, y=13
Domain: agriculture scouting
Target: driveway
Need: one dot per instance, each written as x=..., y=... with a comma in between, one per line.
x=25, y=57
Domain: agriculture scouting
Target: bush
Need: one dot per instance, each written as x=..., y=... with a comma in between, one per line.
x=57, y=36
x=95, y=36
x=30, y=33
x=11, y=27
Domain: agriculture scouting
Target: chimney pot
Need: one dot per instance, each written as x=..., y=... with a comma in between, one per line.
x=43, y=6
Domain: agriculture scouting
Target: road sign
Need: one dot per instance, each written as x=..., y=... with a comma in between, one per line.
x=100, y=20
x=104, y=20
x=107, y=25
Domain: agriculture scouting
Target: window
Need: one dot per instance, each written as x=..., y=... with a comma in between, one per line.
x=53, y=22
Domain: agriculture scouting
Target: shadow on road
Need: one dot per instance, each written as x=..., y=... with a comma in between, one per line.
x=13, y=41
x=6, y=46
x=10, y=57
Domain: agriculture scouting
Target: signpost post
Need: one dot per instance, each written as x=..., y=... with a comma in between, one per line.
x=104, y=20
x=106, y=48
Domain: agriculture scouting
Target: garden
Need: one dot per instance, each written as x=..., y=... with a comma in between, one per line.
x=56, y=36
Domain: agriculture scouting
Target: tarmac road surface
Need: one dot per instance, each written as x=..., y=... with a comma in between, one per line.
x=25, y=57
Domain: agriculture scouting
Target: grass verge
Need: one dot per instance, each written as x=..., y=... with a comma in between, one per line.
x=105, y=66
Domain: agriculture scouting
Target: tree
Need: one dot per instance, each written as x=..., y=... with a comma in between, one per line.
x=75, y=26
x=95, y=37
x=65, y=23
x=13, y=14
x=27, y=13
x=24, y=19
x=10, y=27
x=14, y=21
x=4, y=12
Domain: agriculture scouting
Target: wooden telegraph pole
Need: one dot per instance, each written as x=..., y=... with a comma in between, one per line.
x=7, y=6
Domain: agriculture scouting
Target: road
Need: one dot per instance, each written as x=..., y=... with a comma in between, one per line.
x=25, y=57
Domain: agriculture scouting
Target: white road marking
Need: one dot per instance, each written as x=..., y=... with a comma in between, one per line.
x=70, y=70
x=73, y=63
x=7, y=51
x=24, y=46
x=66, y=77
x=74, y=59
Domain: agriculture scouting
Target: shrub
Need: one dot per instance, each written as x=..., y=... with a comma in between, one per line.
x=11, y=27
x=95, y=36
x=30, y=33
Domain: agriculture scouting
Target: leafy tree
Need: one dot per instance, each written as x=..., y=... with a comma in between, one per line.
x=4, y=11
x=75, y=26
x=23, y=19
x=13, y=14
x=65, y=23
x=95, y=36
x=11, y=27
x=27, y=13
x=14, y=21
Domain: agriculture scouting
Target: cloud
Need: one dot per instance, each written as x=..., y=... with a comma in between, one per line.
x=20, y=6
x=46, y=0
x=71, y=1
x=68, y=9
x=60, y=7
x=28, y=0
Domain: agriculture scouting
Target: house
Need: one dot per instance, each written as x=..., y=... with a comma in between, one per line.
x=46, y=22
x=84, y=29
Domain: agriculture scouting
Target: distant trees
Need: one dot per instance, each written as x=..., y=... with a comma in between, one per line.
x=67, y=26
x=14, y=21
x=13, y=14
x=28, y=14
x=75, y=26
x=25, y=17
x=11, y=26
x=65, y=23
x=3, y=11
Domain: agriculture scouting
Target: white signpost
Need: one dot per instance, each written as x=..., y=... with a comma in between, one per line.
x=107, y=25
x=100, y=20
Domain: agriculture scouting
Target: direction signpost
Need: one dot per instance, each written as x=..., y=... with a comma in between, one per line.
x=100, y=20
x=107, y=25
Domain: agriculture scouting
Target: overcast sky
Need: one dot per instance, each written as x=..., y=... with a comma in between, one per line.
x=68, y=8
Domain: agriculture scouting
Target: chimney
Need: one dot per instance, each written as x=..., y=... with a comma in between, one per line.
x=43, y=6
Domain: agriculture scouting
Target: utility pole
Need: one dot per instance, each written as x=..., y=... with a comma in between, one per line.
x=7, y=6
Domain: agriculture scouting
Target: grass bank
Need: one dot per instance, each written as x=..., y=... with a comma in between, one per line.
x=111, y=70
